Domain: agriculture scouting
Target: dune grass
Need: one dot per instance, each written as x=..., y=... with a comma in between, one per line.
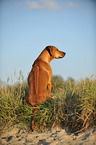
x=72, y=105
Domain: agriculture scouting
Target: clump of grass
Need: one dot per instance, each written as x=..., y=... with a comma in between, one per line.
x=12, y=110
x=72, y=105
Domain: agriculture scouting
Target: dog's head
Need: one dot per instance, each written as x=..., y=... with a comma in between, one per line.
x=54, y=52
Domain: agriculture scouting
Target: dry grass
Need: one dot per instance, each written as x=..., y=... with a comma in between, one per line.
x=72, y=105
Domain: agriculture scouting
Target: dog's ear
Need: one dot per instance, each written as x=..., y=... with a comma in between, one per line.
x=50, y=50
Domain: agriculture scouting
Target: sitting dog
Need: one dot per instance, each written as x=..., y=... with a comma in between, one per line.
x=39, y=79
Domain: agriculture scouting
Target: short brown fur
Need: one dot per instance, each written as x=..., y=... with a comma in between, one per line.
x=39, y=79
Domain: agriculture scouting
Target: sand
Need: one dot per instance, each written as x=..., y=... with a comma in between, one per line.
x=18, y=135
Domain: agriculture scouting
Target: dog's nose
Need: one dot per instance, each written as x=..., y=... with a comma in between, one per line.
x=64, y=54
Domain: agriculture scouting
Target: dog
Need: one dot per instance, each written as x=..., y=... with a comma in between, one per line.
x=39, y=79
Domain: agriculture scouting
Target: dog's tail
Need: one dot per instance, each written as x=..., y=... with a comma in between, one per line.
x=34, y=115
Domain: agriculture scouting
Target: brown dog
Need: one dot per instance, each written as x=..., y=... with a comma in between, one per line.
x=39, y=79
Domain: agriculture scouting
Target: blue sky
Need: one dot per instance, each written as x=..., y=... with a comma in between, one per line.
x=28, y=26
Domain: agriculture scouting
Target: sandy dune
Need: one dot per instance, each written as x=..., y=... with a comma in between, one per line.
x=20, y=136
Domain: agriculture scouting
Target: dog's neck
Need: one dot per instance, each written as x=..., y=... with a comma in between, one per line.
x=45, y=56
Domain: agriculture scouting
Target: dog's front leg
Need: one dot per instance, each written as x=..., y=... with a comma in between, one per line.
x=49, y=87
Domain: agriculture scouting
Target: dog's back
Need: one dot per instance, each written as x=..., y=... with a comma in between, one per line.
x=38, y=81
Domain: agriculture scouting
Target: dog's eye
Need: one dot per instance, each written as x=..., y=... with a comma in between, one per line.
x=57, y=49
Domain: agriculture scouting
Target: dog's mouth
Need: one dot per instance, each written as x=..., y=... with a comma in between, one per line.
x=61, y=56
